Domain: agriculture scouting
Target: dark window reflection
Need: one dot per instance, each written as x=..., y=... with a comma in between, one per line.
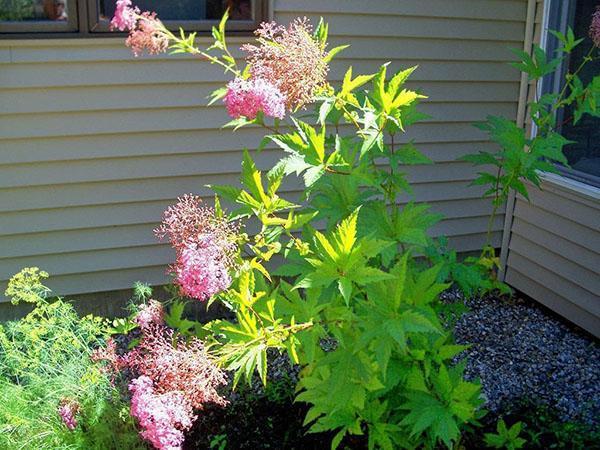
x=27, y=10
x=186, y=9
x=584, y=154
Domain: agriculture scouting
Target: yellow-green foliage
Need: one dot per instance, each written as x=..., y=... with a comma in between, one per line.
x=45, y=358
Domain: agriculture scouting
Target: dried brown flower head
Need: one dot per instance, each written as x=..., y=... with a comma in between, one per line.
x=291, y=59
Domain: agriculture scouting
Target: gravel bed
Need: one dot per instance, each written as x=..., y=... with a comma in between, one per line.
x=522, y=352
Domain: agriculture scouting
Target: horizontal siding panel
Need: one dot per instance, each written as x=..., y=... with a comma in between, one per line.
x=579, y=210
x=77, y=194
x=473, y=242
x=555, y=302
x=425, y=49
x=370, y=25
x=93, y=261
x=65, y=242
x=556, y=263
x=562, y=226
x=558, y=244
x=364, y=48
x=156, y=275
x=466, y=226
x=469, y=9
x=109, y=280
x=39, y=174
x=100, y=98
x=79, y=252
x=89, y=217
x=145, y=71
x=20, y=126
x=554, y=281
x=569, y=189
x=81, y=217
x=58, y=242
x=442, y=143
x=102, y=281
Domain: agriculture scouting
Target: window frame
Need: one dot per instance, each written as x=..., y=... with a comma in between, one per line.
x=85, y=23
x=558, y=15
x=40, y=27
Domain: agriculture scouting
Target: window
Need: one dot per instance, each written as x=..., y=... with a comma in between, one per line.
x=85, y=18
x=38, y=15
x=584, y=154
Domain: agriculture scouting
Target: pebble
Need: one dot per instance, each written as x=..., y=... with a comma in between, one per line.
x=520, y=351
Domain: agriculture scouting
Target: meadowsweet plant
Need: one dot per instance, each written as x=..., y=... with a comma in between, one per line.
x=520, y=159
x=349, y=301
x=52, y=394
x=169, y=378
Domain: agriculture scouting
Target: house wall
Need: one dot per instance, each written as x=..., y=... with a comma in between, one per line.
x=551, y=245
x=95, y=144
x=554, y=249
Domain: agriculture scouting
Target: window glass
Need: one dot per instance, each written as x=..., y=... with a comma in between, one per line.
x=186, y=10
x=34, y=10
x=584, y=154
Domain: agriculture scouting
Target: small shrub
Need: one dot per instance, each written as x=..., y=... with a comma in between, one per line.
x=351, y=275
x=52, y=394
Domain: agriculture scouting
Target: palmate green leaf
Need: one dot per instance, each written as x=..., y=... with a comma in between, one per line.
x=349, y=85
x=341, y=257
x=535, y=66
x=588, y=100
x=484, y=178
x=550, y=147
x=251, y=178
x=481, y=158
x=399, y=79
x=174, y=318
x=314, y=143
x=427, y=414
x=408, y=154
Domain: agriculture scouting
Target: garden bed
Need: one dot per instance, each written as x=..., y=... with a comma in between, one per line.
x=534, y=367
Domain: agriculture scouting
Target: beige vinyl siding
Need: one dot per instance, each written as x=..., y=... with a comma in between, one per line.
x=552, y=243
x=94, y=143
x=554, y=251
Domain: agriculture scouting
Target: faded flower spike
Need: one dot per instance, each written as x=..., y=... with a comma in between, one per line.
x=146, y=31
x=205, y=247
x=595, y=27
x=290, y=58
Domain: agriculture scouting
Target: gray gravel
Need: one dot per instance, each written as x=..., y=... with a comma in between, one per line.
x=520, y=351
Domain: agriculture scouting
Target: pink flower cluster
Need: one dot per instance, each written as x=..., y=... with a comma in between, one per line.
x=68, y=410
x=200, y=270
x=173, y=378
x=595, y=27
x=290, y=58
x=204, y=245
x=149, y=314
x=146, y=31
x=177, y=365
x=125, y=16
x=163, y=417
x=249, y=97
